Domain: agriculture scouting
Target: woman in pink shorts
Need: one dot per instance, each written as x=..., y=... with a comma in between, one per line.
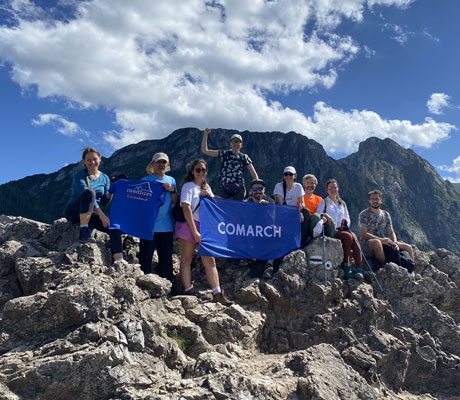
x=188, y=233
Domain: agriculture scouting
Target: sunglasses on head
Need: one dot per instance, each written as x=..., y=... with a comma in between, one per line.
x=257, y=189
x=199, y=170
x=236, y=141
x=288, y=174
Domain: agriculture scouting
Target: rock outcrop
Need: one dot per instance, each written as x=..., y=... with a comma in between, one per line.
x=74, y=327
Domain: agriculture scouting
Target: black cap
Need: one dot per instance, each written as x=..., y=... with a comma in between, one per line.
x=257, y=181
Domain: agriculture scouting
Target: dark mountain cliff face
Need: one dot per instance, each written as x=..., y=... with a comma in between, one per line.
x=425, y=208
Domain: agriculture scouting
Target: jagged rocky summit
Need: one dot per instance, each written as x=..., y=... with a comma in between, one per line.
x=74, y=327
x=425, y=208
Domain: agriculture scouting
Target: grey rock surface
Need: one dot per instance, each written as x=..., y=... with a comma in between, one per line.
x=74, y=327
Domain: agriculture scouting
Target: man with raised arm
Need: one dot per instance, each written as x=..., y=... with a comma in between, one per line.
x=231, y=180
x=376, y=230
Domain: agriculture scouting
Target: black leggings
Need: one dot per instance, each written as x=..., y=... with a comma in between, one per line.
x=163, y=242
x=84, y=204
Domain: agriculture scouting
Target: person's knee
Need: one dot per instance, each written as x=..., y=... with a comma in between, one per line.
x=208, y=262
x=88, y=195
x=375, y=245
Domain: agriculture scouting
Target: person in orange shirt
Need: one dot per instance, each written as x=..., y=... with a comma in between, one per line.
x=310, y=199
x=316, y=219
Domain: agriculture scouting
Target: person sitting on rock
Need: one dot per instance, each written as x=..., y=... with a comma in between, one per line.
x=231, y=180
x=336, y=208
x=376, y=230
x=260, y=268
x=164, y=223
x=90, y=190
x=290, y=193
x=188, y=232
x=311, y=201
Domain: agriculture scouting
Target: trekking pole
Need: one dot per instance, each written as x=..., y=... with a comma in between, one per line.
x=368, y=265
x=324, y=258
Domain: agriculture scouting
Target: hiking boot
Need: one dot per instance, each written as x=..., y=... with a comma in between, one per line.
x=268, y=272
x=190, y=292
x=85, y=234
x=359, y=274
x=220, y=298
x=348, y=272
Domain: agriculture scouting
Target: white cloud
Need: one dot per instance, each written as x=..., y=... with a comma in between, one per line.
x=454, y=168
x=429, y=35
x=437, y=102
x=401, y=35
x=340, y=131
x=161, y=65
x=62, y=125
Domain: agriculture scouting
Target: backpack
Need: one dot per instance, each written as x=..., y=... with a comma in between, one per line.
x=399, y=257
x=178, y=212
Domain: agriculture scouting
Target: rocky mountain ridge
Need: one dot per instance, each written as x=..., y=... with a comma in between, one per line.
x=74, y=327
x=425, y=208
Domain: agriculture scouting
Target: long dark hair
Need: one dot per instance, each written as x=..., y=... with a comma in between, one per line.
x=339, y=199
x=191, y=167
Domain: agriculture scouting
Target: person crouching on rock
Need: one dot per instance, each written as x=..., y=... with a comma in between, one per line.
x=90, y=191
x=336, y=209
x=260, y=268
x=188, y=232
x=317, y=222
x=164, y=223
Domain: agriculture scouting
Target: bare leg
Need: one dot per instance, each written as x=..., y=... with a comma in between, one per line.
x=211, y=271
x=84, y=218
x=406, y=247
x=377, y=248
x=186, y=254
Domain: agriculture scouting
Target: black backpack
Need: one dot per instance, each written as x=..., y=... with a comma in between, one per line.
x=399, y=257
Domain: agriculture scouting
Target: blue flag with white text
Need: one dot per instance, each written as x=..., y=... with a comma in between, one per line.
x=135, y=207
x=236, y=229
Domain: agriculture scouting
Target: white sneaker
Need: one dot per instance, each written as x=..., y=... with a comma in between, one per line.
x=412, y=274
x=120, y=262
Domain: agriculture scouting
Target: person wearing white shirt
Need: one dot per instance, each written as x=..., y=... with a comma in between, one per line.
x=291, y=193
x=188, y=232
x=337, y=210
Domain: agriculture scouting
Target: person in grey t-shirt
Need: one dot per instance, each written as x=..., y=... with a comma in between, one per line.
x=376, y=229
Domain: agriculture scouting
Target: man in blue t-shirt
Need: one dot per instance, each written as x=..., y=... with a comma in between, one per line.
x=231, y=180
x=164, y=225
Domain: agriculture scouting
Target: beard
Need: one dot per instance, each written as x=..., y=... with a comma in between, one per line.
x=375, y=207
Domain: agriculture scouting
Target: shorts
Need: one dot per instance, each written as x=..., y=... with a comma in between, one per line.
x=240, y=195
x=183, y=231
x=366, y=248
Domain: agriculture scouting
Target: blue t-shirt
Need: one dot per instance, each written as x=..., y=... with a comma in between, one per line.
x=135, y=206
x=100, y=186
x=164, y=221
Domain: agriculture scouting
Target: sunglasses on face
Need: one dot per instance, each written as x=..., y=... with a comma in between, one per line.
x=199, y=170
x=257, y=189
x=288, y=174
x=332, y=187
x=236, y=141
x=161, y=162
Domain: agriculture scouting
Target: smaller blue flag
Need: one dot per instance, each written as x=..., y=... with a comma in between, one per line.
x=236, y=229
x=135, y=206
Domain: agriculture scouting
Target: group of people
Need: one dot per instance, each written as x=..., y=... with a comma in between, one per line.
x=328, y=216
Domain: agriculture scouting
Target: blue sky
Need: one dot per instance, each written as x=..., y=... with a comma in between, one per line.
x=108, y=73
